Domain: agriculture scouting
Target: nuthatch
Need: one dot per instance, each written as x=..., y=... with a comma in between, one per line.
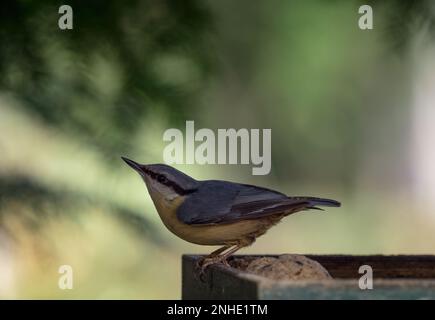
x=215, y=212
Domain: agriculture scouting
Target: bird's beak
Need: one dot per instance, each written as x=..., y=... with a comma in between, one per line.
x=136, y=166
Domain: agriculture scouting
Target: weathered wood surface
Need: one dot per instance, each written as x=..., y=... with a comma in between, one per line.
x=400, y=266
x=395, y=277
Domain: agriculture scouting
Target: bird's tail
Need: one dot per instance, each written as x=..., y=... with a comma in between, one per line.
x=313, y=202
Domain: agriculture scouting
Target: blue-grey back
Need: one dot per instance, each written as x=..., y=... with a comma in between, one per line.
x=220, y=201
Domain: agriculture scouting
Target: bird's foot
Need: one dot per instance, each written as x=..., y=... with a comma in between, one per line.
x=203, y=263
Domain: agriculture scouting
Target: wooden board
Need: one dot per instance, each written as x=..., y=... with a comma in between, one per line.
x=395, y=277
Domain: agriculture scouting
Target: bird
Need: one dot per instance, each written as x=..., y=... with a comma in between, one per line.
x=217, y=212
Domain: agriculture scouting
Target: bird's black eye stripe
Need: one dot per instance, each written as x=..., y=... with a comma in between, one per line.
x=161, y=178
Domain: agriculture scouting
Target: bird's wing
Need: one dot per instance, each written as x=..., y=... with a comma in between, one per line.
x=217, y=202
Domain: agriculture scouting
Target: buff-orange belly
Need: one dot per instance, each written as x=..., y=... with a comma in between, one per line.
x=209, y=234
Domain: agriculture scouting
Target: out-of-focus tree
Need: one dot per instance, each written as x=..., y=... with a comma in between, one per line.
x=121, y=61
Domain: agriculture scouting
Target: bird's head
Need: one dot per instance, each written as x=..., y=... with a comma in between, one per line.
x=164, y=180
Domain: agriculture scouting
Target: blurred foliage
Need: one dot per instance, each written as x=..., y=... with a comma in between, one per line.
x=123, y=60
x=71, y=102
x=325, y=87
x=403, y=19
x=51, y=203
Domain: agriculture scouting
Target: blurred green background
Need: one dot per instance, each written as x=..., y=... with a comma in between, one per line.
x=351, y=113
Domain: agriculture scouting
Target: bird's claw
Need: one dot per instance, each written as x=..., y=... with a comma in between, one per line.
x=203, y=263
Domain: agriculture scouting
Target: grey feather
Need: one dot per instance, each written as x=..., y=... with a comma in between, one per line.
x=217, y=201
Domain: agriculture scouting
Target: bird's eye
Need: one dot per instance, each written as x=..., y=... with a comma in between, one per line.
x=161, y=178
